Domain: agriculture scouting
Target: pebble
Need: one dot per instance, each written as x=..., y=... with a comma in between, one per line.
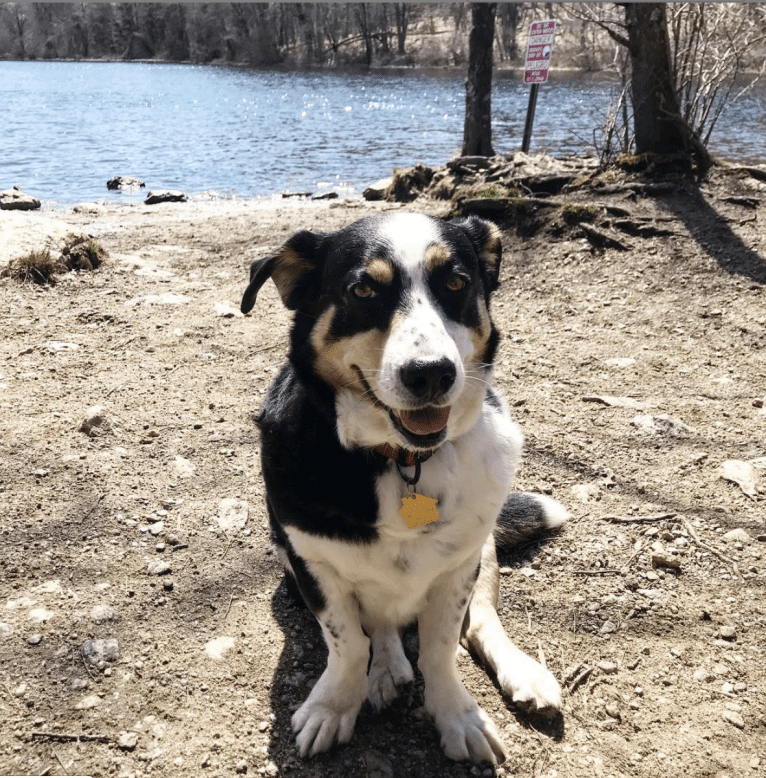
x=158, y=567
x=35, y=640
x=703, y=675
x=102, y=613
x=20, y=690
x=157, y=528
x=613, y=710
x=217, y=648
x=608, y=627
x=232, y=514
x=94, y=422
x=100, y=651
x=79, y=685
x=263, y=726
x=127, y=740
x=86, y=703
x=727, y=632
x=241, y=767
x=607, y=667
x=168, y=584
x=733, y=718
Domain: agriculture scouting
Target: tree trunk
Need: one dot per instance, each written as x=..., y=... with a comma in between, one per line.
x=658, y=125
x=477, y=131
x=402, y=12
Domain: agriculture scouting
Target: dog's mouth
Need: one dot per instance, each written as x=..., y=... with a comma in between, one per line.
x=422, y=427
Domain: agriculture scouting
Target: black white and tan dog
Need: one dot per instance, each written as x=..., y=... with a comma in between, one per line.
x=388, y=457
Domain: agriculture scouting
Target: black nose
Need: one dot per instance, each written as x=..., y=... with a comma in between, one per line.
x=428, y=381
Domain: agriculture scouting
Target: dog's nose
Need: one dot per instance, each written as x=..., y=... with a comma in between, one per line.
x=428, y=380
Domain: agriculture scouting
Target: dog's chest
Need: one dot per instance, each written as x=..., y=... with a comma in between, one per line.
x=469, y=478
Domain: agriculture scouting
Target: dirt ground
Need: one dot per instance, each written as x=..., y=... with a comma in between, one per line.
x=142, y=610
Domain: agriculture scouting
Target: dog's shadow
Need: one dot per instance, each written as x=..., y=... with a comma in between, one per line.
x=399, y=741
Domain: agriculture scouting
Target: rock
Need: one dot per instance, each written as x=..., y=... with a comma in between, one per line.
x=378, y=764
x=16, y=200
x=607, y=667
x=326, y=196
x=241, y=767
x=232, y=514
x=738, y=535
x=157, y=528
x=733, y=718
x=93, y=209
x=664, y=559
x=99, y=651
x=377, y=191
x=184, y=468
x=26, y=233
x=727, y=632
x=100, y=614
x=158, y=567
x=165, y=196
x=127, y=741
x=35, y=640
x=89, y=702
x=585, y=492
x=79, y=685
x=703, y=675
x=124, y=182
x=227, y=310
x=217, y=648
x=663, y=424
x=608, y=627
x=94, y=423
x=613, y=710
x=6, y=630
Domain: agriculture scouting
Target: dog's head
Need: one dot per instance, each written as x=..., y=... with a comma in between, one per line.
x=392, y=312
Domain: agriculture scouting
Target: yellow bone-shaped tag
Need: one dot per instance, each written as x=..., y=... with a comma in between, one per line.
x=418, y=510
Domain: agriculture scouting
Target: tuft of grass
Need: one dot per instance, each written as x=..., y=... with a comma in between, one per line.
x=574, y=213
x=37, y=267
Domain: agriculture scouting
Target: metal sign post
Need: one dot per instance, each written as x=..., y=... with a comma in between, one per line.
x=538, y=61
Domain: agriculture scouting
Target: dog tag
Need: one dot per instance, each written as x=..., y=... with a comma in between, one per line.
x=417, y=510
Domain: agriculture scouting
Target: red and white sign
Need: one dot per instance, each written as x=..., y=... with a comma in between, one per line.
x=539, y=51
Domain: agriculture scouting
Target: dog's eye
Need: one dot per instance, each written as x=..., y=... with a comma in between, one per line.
x=455, y=282
x=363, y=290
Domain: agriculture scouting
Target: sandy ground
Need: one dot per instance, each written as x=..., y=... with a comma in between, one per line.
x=142, y=611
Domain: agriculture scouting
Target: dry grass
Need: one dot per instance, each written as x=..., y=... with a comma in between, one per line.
x=37, y=267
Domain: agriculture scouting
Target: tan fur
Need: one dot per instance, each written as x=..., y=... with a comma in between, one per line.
x=288, y=268
x=436, y=255
x=380, y=270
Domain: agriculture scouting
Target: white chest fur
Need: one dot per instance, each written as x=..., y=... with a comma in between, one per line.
x=470, y=477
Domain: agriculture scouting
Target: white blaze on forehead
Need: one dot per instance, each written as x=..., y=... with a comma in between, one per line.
x=410, y=235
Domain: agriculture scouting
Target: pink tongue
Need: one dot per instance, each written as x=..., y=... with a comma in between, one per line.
x=425, y=421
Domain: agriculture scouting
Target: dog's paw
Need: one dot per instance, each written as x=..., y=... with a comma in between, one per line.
x=466, y=730
x=326, y=718
x=531, y=687
x=386, y=679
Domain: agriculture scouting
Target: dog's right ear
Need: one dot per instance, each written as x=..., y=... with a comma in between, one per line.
x=296, y=270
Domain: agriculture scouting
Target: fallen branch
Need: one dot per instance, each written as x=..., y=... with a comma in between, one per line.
x=596, y=572
x=638, y=519
x=69, y=736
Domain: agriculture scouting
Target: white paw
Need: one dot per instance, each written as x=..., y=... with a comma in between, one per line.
x=466, y=730
x=326, y=718
x=531, y=687
x=386, y=678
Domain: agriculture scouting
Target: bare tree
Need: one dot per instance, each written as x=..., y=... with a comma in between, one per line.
x=477, y=130
x=402, y=13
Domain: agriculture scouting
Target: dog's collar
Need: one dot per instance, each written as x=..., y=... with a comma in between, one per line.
x=404, y=458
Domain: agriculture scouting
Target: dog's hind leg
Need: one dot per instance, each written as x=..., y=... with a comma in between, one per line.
x=526, y=682
x=390, y=669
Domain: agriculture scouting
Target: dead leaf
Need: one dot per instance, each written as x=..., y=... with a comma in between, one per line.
x=741, y=473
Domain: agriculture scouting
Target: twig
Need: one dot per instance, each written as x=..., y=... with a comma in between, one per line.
x=577, y=682
x=115, y=388
x=67, y=736
x=696, y=538
x=93, y=507
x=263, y=348
x=85, y=665
x=639, y=519
x=541, y=654
x=231, y=599
x=596, y=572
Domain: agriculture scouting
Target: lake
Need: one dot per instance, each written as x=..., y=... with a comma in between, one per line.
x=67, y=127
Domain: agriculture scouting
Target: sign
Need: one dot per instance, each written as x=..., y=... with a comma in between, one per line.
x=539, y=51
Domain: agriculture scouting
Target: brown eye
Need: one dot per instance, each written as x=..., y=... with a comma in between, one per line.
x=364, y=290
x=455, y=282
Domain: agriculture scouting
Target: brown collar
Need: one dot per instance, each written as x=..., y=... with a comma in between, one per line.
x=402, y=456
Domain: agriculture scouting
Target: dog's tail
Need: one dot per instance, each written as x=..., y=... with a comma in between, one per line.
x=526, y=514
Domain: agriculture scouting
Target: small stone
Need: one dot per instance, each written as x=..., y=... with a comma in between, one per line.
x=703, y=675
x=94, y=422
x=79, y=685
x=217, y=648
x=613, y=710
x=157, y=528
x=168, y=584
x=100, y=651
x=607, y=667
x=100, y=614
x=232, y=514
x=738, y=535
x=35, y=640
x=727, y=632
x=608, y=627
x=205, y=760
x=17, y=200
x=20, y=690
x=727, y=688
x=241, y=767
x=164, y=196
x=86, y=703
x=733, y=718
x=263, y=726
x=158, y=567
x=127, y=740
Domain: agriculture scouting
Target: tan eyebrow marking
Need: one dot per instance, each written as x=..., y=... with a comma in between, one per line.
x=380, y=270
x=436, y=255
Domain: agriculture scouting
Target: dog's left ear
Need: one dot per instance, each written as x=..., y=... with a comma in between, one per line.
x=485, y=237
x=296, y=270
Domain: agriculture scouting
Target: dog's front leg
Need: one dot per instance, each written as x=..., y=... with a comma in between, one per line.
x=329, y=714
x=466, y=730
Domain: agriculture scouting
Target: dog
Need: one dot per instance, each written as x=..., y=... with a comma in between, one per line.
x=388, y=455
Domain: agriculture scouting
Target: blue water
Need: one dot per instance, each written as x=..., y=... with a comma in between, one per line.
x=67, y=127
